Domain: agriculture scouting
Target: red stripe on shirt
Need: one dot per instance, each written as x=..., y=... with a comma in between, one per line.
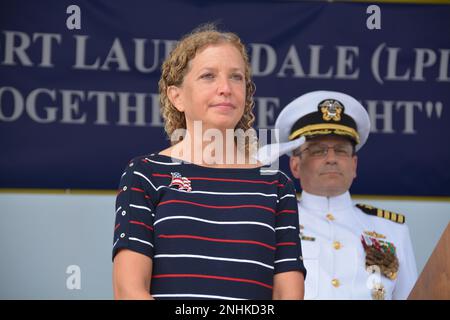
x=204, y=276
x=286, y=244
x=185, y=236
x=140, y=190
x=285, y=211
x=117, y=225
x=161, y=175
x=142, y=224
x=233, y=180
x=217, y=207
x=219, y=179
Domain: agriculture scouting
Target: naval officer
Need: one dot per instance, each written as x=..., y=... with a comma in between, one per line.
x=351, y=251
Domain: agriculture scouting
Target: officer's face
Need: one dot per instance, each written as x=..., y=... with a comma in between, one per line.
x=325, y=173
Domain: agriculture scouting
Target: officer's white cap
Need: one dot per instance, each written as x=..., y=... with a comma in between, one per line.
x=317, y=113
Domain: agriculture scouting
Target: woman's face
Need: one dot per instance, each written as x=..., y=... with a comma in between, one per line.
x=213, y=90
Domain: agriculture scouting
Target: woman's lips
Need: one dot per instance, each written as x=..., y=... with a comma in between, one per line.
x=223, y=106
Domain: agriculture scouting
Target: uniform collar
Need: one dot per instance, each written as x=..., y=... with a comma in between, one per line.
x=321, y=203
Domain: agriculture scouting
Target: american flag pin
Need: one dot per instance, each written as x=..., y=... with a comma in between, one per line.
x=181, y=182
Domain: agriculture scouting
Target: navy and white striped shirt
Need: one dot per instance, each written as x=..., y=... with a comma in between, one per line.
x=212, y=233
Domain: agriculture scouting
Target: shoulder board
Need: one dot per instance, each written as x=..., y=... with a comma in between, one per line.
x=389, y=215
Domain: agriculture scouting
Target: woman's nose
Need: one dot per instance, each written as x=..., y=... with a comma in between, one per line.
x=224, y=86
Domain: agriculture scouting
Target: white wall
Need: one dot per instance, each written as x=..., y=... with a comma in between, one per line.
x=42, y=234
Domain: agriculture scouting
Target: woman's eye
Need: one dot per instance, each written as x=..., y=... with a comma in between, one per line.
x=207, y=76
x=237, y=76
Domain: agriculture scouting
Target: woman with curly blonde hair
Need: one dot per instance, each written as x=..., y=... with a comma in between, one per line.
x=174, y=70
x=190, y=225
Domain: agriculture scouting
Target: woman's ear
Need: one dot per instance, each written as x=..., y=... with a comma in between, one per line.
x=174, y=95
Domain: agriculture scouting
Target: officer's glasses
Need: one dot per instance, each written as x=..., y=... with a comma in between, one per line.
x=321, y=150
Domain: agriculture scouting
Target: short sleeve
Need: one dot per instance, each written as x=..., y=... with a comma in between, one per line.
x=134, y=214
x=288, y=255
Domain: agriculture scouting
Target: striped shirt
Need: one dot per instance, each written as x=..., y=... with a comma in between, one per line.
x=212, y=233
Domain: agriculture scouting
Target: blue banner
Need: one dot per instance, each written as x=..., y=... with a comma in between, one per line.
x=79, y=83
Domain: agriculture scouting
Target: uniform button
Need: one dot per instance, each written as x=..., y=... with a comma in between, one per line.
x=335, y=283
x=337, y=245
x=124, y=188
x=124, y=212
x=131, y=164
x=122, y=235
x=330, y=217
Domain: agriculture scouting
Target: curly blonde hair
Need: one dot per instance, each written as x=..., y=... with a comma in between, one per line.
x=176, y=66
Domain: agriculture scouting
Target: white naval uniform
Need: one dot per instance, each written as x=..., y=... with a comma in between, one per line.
x=335, y=260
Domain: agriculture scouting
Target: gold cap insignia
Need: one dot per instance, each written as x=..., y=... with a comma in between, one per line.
x=331, y=110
